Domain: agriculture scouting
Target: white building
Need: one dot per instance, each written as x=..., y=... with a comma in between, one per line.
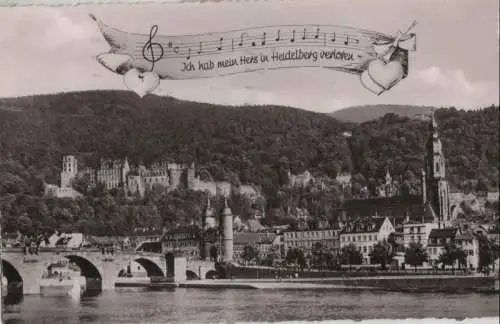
x=468, y=242
x=307, y=238
x=438, y=238
x=364, y=234
x=417, y=233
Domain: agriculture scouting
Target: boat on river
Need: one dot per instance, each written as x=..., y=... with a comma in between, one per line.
x=60, y=279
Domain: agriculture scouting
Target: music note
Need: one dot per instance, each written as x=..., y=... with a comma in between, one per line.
x=347, y=40
x=264, y=39
x=333, y=38
x=241, y=39
x=220, y=44
x=232, y=45
x=293, y=36
x=188, y=56
x=304, y=36
x=278, y=37
x=152, y=51
x=317, y=33
x=200, y=50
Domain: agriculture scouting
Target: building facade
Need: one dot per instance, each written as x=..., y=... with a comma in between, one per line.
x=438, y=239
x=305, y=239
x=365, y=233
x=186, y=240
x=414, y=232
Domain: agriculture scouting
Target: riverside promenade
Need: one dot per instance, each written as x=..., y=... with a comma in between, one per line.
x=420, y=283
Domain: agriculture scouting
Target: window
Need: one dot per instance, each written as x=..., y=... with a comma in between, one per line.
x=364, y=249
x=364, y=238
x=354, y=238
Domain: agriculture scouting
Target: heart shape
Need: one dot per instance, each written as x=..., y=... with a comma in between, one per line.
x=371, y=85
x=141, y=83
x=386, y=75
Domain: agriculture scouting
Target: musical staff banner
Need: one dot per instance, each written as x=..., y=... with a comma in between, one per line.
x=380, y=60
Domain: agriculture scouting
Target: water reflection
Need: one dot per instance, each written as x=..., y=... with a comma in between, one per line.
x=192, y=305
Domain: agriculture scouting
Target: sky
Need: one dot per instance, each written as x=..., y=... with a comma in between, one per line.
x=53, y=49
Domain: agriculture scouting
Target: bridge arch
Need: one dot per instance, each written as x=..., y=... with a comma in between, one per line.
x=88, y=269
x=10, y=272
x=211, y=274
x=151, y=267
x=191, y=275
x=15, y=282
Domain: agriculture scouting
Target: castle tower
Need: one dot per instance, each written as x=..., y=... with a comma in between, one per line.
x=437, y=189
x=69, y=170
x=208, y=218
x=227, y=217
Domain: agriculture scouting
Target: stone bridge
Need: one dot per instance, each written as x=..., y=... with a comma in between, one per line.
x=28, y=269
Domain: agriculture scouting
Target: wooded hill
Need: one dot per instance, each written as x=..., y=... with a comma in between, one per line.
x=256, y=144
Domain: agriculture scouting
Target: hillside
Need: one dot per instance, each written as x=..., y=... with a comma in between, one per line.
x=360, y=114
x=256, y=144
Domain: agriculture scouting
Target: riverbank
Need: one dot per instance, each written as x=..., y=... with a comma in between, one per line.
x=448, y=284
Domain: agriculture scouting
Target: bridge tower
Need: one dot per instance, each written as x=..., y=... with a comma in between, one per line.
x=227, y=216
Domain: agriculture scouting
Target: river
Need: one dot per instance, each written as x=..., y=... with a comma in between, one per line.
x=136, y=305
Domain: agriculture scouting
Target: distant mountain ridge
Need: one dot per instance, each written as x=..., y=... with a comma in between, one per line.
x=361, y=114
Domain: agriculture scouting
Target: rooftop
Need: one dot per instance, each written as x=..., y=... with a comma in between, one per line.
x=443, y=233
x=366, y=225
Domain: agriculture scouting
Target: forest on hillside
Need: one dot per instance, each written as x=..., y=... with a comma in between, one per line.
x=249, y=144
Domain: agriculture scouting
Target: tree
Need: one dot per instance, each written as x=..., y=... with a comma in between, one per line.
x=488, y=252
x=450, y=254
x=249, y=253
x=214, y=253
x=317, y=253
x=382, y=253
x=351, y=255
x=301, y=260
x=415, y=255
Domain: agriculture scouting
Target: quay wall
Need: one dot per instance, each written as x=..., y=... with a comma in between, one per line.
x=422, y=284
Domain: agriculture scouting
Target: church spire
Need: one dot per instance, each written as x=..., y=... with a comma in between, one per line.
x=437, y=190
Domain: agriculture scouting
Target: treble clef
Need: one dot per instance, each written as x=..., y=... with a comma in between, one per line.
x=152, y=51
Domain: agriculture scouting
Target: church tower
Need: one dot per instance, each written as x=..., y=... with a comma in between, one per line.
x=437, y=189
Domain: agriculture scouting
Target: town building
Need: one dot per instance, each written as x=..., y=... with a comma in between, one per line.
x=438, y=238
x=418, y=232
x=468, y=242
x=365, y=233
x=186, y=240
x=300, y=180
x=261, y=242
x=305, y=238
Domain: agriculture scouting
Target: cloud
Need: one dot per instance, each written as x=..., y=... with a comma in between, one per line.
x=453, y=87
x=453, y=80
